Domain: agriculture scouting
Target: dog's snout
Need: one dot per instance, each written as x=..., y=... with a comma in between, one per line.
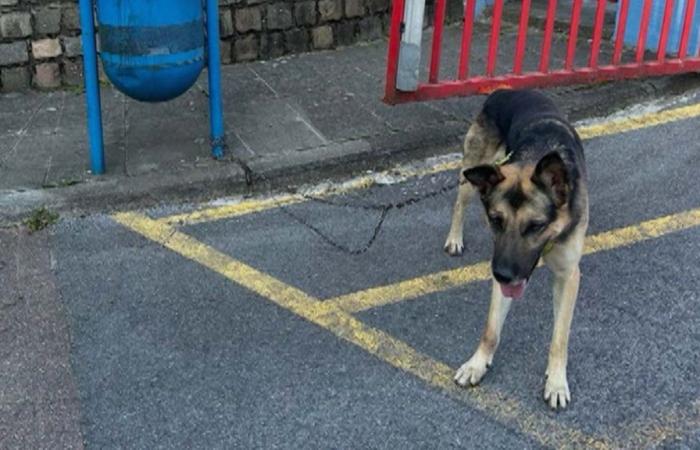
x=503, y=274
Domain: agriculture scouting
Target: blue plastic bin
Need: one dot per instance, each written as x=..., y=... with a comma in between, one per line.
x=152, y=50
x=655, y=22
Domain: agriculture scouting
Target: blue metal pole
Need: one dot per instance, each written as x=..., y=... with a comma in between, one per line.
x=216, y=116
x=92, y=88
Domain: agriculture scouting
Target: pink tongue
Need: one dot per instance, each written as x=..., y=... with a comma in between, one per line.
x=514, y=291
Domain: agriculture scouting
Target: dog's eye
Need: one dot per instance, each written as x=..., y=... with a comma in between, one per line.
x=496, y=222
x=535, y=227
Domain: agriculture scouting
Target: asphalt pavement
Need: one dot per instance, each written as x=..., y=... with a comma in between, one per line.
x=331, y=318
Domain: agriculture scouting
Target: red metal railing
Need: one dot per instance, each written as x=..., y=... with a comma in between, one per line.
x=596, y=70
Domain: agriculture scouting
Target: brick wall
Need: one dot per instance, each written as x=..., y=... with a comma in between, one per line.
x=40, y=39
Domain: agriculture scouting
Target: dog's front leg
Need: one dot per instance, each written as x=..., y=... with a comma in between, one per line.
x=454, y=245
x=475, y=368
x=556, y=390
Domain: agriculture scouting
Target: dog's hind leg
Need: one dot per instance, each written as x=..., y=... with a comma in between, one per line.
x=475, y=368
x=482, y=145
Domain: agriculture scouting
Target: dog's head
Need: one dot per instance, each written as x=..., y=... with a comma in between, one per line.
x=526, y=206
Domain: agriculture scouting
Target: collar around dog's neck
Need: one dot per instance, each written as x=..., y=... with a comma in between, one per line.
x=547, y=247
x=503, y=160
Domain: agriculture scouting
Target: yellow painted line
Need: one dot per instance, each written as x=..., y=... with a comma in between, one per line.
x=257, y=205
x=245, y=207
x=412, y=288
x=440, y=281
x=664, y=428
x=537, y=425
x=649, y=229
x=366, y=181
x=232, y=210
x=638, y=122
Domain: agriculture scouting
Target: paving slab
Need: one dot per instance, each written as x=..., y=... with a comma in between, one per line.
x=288, y=122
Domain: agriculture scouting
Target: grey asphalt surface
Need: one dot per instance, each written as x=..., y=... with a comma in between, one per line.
x=161, y=352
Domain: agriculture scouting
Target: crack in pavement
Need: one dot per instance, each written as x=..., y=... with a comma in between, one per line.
x=22, y=133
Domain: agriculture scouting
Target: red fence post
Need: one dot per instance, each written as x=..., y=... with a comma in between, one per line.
x=468, y=27
x=620, y=32
x=392, y=59
x=666, y=24
x=493, y=40
x=597, y=34
x=573, y=34
x=522, y=37
x=437, y=41
x=687, y=22
x=643, y=29
x=547, y=38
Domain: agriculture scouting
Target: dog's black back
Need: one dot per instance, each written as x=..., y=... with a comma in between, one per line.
x=532, y=125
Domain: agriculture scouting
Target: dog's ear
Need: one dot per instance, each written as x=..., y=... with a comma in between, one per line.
x=484, y=177
x=552, y=175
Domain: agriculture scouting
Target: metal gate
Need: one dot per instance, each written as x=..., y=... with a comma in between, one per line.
x=404, y=85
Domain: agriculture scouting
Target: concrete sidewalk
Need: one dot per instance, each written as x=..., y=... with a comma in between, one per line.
x=289, y=121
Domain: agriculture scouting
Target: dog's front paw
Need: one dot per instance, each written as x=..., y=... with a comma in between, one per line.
x=556, y=392
x=472, y=371
x=454, y=246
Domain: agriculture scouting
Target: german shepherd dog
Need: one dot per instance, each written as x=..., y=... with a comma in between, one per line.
x=526, y=161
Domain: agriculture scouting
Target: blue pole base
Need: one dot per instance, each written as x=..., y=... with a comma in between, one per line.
x=216, y=113
x=92, y=89
x=218, y=148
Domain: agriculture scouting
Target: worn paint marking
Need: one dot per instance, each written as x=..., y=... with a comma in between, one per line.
x=440, y=281
x=604, y=128
x=638, y=122
x=245, y=207
x=537, y=425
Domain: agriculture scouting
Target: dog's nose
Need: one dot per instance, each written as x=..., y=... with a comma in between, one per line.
x=503, y=274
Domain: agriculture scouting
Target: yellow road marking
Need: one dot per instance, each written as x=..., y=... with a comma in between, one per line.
x=366, y=181
x=638, y=122
x=665, y=427
x=537, y=425
x=232, y=210
x=412, y=288
x=244, y=207
x=648, y=229
x=440, y=281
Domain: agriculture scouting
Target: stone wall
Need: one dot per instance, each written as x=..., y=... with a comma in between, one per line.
x=40, y=39
x=39, y=45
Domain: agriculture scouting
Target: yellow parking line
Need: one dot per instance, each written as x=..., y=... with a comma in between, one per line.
x=232, y=210
x=537, y=425
x=638, y=122
x=366, y=181
x=244, y=207
x=412, y=288
x=648, y=229
x=440, y=281
x=671, y=424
